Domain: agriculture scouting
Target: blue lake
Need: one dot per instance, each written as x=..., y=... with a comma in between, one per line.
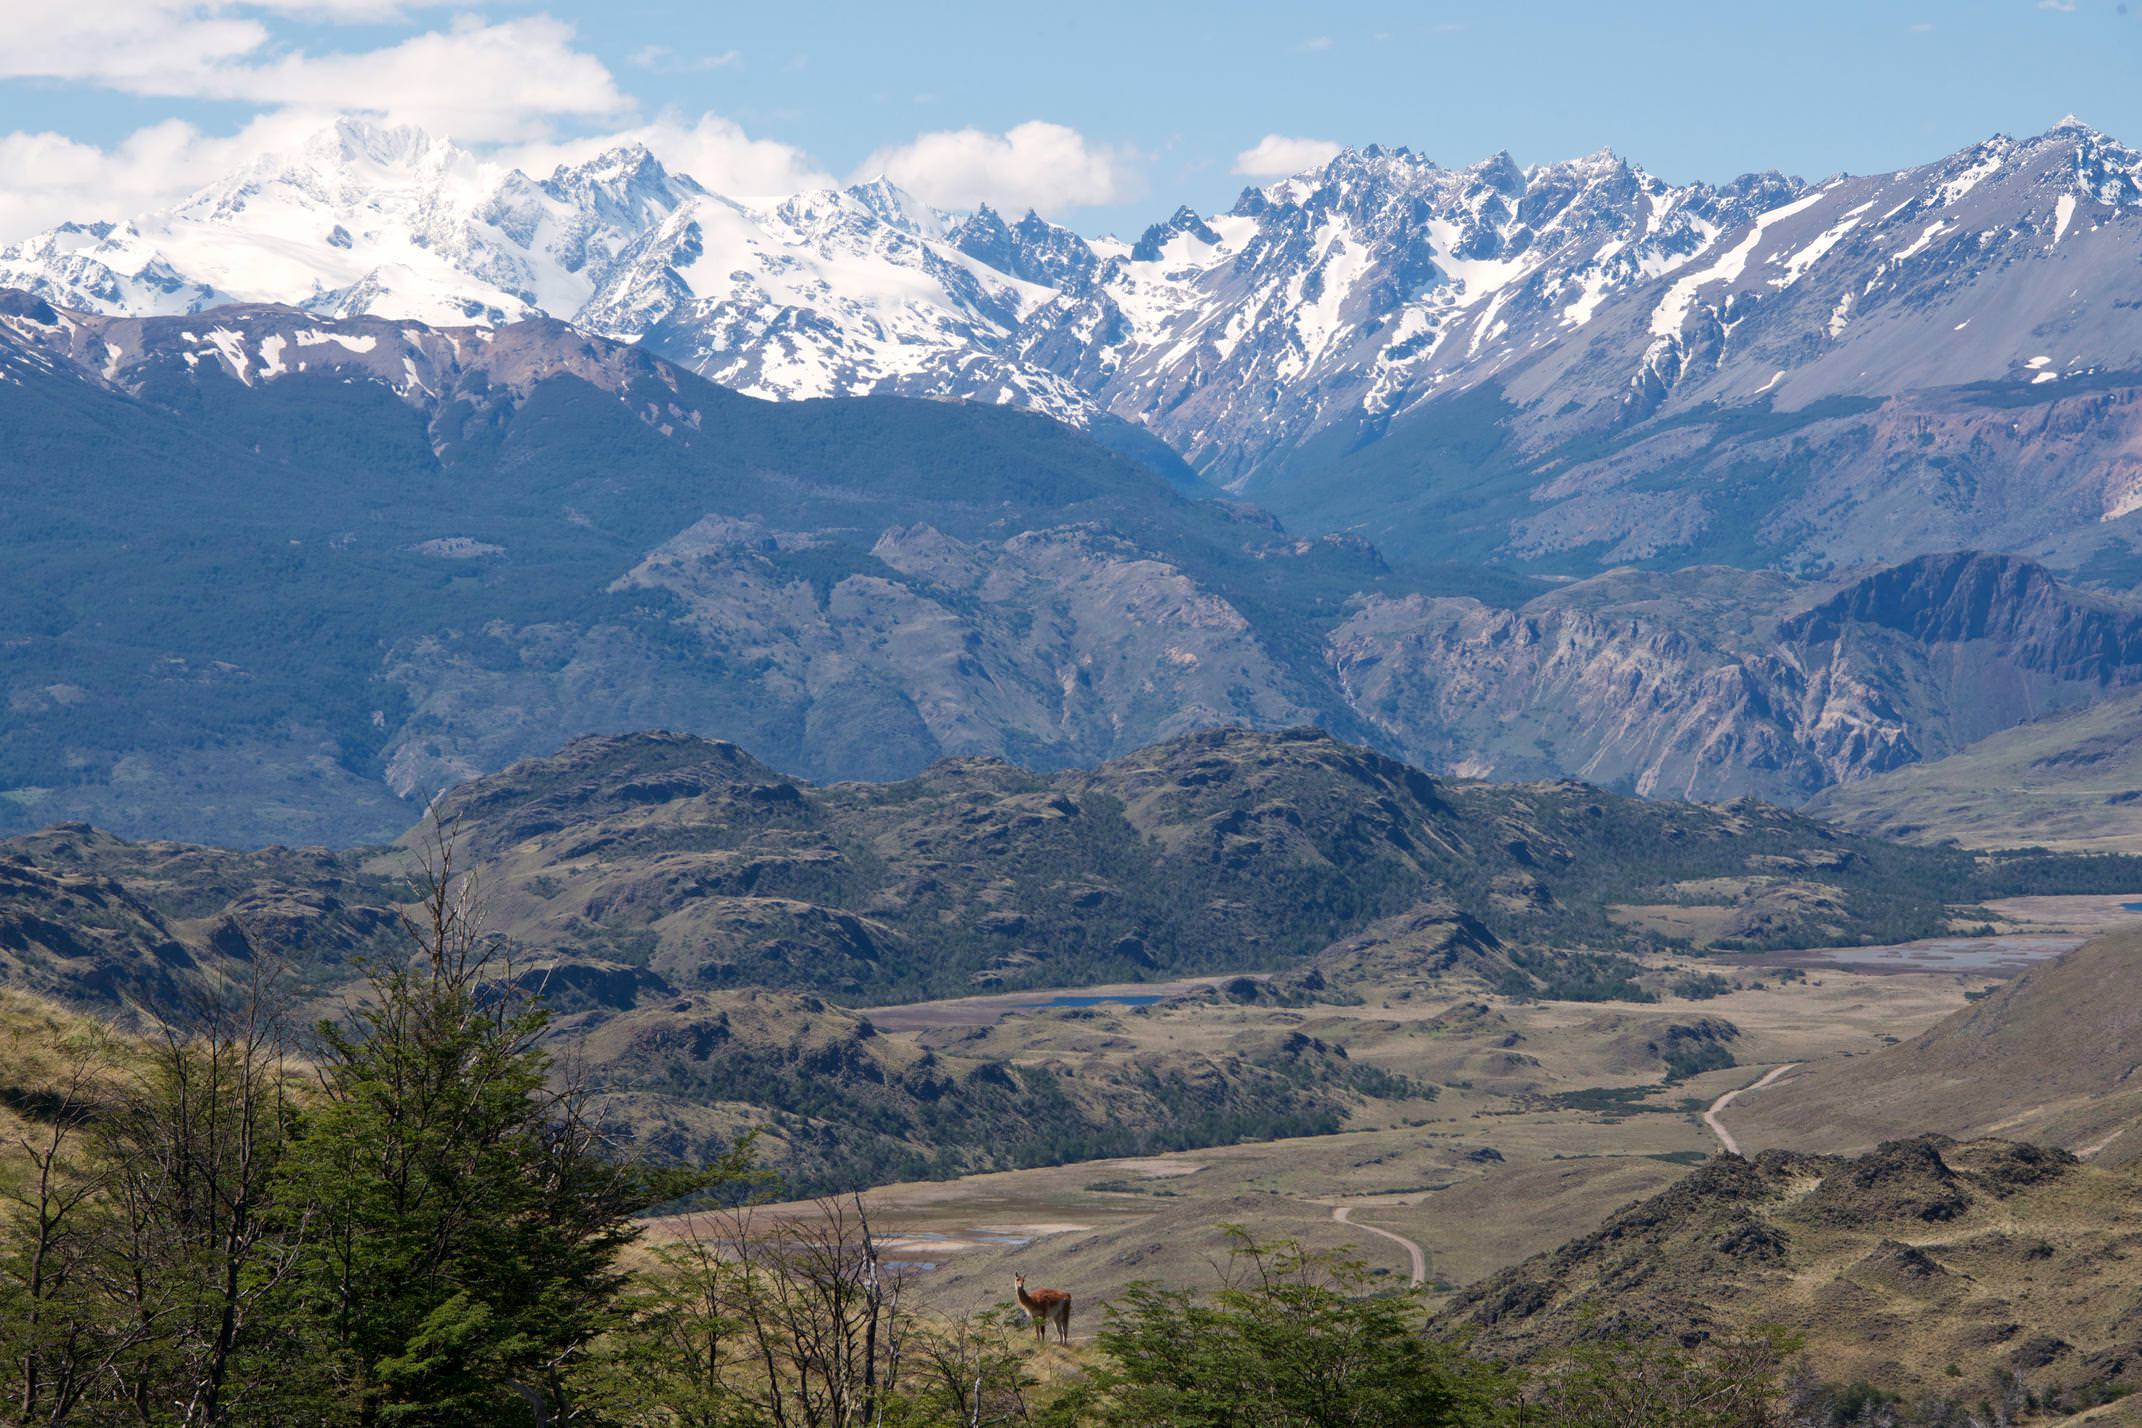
x=1127, y=999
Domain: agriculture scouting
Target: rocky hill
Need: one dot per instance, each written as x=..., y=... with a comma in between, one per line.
x=2050, y=1056
x=635, y=869
x=1939, y=1266
x=129, y=929
x=1224, y=851
x=840, y=1104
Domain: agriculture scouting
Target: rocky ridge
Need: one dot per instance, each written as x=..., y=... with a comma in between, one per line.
x=1998, y=1257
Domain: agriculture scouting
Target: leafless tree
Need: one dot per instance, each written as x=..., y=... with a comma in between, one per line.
x=816, y=1310
x=973, y=1371
x=56, y=1352
x=191, y=1252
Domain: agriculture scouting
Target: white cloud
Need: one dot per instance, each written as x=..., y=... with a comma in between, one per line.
x=52, y=178
x=1276, y=156
x=473, y=80
x=1315, y=44
x=124, y=43
x=157, y=46
x=661, y=59
x=1036, y=165
x=2058, y=7
x=506, y=86
x=711, y=149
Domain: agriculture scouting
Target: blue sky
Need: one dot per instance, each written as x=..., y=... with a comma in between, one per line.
x=1105, y=114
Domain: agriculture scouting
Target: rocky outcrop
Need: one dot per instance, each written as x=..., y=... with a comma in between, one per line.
x=1713, y=683
x=155, y=930
x=1904, y=1258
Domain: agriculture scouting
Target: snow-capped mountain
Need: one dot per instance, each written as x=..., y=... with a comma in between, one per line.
x=1354, y=288
x=1592, y=296
x=363, y=219
x=836, y=292
x=1931, y=359
x=2009, y=258
x=832, y=293
x=1354, y=291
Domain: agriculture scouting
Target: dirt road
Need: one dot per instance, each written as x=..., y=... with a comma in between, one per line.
x=1710, y=1117
x=1344, y=1214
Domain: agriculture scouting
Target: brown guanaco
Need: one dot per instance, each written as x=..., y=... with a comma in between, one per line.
x=1044, y=1307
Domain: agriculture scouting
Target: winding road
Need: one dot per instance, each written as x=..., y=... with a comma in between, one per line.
x=1344, y=1214
x=1710, y=1117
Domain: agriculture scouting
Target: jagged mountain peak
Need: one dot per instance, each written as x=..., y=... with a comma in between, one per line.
x=1153, y=244
x=1033, y=249
x=629, y=169
x=1499, y=170
x=891, y=204
x=1358, y=291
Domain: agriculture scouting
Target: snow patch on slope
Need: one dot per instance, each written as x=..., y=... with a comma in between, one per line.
x=1671, y=314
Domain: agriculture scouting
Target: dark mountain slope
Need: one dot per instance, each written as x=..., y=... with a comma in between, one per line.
x=1712, y=682
x=2073, y=781
x=1219, y=851
x=260, y=564
x=269, y=577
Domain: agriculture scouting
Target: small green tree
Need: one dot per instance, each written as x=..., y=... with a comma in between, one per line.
x=1736, y=1383
x=673, y=1359
x=461, y=1221
x=1289, y=1341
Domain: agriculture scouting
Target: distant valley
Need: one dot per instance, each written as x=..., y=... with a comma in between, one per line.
x=704, y=927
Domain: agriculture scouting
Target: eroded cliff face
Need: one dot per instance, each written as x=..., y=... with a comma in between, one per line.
x=1712, y=684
